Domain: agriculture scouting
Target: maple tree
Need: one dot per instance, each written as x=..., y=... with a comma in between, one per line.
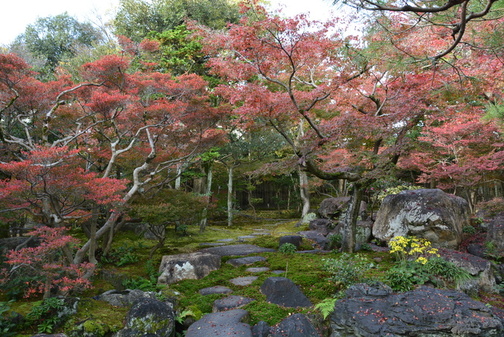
x=82, y=143
x=349, y=111
x=47, y=267
x=445, y=25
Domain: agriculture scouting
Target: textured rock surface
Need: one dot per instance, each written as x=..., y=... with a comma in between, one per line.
x=282, y=291
x=296, y=325
x=124, y=298
x=231, y=250
x=230, y=302
x=430, y=214
x=226, y=323
x=376, y=311
x=192, y=266
x=149, y=317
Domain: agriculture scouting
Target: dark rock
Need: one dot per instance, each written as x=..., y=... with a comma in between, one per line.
x=318, y=239
x=421, y=312
x=324, y=226
x=230, y=302
x=261, y=329
x=296, y=325
x=334, y=208
x=124, y=298
x=292, y=239
x=427, y=213
x=215, y=290
x=241, y=261
x=7, y=244
x=231, y=250
x=282, y=291
x=257, y=269
x=481, y=270
x=226, y=323
x=192, y=266
x=476, y=249
x=149, y=317
x=495, y=235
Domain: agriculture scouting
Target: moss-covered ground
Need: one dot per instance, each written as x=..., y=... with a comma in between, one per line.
x=138, y=270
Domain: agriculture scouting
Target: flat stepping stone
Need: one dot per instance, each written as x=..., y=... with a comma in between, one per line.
x=240, y=249
x=282, y=291
x=212, y=244
x=241, y=261
x=243, y=280
x=260, y=234
x=215, y=290
x=225, y=240
x=257, y=269
x=230, y=302
x=225, y=323
x=245, y=238
x=278, y=271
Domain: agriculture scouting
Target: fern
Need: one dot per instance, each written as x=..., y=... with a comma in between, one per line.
x=326, y=307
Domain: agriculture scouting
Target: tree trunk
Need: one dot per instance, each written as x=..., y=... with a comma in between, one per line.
x=304, y=192
x=230, y=196
x=208, y=194
x=350, y=220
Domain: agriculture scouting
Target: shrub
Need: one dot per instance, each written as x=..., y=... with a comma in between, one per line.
x=335, y=240
x=348, y=269
x=47, y=315
x=405, y=276
x=121, y=256
x=287, y=248
x=7, y=327
x=447, y=270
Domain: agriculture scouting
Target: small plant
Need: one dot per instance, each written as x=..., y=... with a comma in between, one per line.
x=326, y=307
x=406, y=276
x=287, y=248
x=335, y=240
x=7, y=327
x=469, y=229
x=47, y=315
x=121, y=256
x=437, y=266
x=348, y=269
x=405, y=248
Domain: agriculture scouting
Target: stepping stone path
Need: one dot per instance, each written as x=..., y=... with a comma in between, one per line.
x=230, y=302
x=257, y=269
x=226, y=323
x=231, y=250
x=215, y=290
x=243, y=280
x=245, y=260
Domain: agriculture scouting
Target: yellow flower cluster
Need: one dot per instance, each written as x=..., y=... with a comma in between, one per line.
x=411, y=247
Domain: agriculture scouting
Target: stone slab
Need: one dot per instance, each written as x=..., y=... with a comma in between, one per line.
x=226, y=323
x=257, y=269
x=243, y=280
x=239, y=249
x=215, y=290
x=242, y=261
x=230, y=302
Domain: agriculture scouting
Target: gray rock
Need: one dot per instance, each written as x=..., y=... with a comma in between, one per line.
x=124, y=298
x=261, y=329
x=226, y=323
x=149, y=317
x=242, y=261
x=257, y=269
x=495, y=235
x=292, y=239
x=243, y=280
x=230, y=302
x=369, y=311
x=215, y=290
x=296, y=325
x=282, y=291
x=427, y=213
x=241, y=249
x=482, y=271
x=192, y=266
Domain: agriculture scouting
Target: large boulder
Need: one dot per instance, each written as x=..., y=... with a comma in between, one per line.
x=149, y=317
x=192, y=266
x=374, y=310
x=495, y=234
x=427, y=213
x=481, y=270
x=297, y=325
x=124, y=298
x=282, y=291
